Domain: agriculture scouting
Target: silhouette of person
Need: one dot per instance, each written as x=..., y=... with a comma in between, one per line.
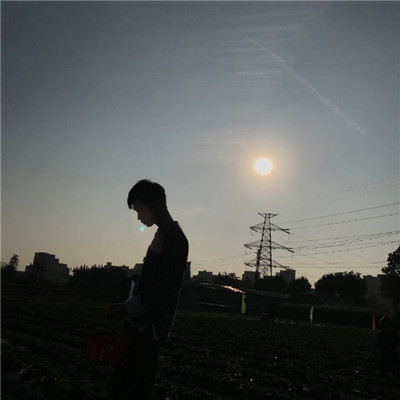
x=388, y=340
x=150, y=313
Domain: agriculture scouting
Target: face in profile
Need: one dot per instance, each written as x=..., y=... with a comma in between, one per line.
x=144, y=213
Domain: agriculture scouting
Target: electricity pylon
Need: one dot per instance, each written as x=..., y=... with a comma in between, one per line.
x=265, y=245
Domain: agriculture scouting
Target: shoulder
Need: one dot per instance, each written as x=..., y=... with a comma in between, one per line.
x=172, y=230
x=174, y=235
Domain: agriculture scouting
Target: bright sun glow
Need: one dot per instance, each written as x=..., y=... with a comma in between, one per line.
x=263, y=166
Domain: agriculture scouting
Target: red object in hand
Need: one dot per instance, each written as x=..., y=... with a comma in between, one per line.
x=108, y=349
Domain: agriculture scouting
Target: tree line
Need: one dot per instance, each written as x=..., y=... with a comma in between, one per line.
x=339, y=287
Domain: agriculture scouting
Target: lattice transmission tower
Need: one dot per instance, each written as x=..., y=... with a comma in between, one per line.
x=263, y=261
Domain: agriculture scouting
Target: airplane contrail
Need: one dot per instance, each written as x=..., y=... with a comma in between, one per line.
x=329, y=104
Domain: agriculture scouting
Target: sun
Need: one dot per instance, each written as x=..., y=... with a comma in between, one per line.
x=263, y=166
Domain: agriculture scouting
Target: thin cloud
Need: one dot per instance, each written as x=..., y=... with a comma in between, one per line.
x=328, y=103
x=280, y=24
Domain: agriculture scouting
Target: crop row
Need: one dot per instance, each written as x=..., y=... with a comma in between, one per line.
x=209, y=356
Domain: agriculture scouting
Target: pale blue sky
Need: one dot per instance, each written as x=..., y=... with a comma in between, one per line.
x=97, y=95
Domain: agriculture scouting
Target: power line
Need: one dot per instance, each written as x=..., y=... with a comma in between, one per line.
x=347, y=267
x=347, y=242
x=213, y=260
x=342, y=241
x=307, y=264
x=345, y=191
x=346, y=222
x=202, y=266
x=329, y=262
x=359, y=238
x=343, y=213
x=218, y=263
x=346, y=237
x=356, y=248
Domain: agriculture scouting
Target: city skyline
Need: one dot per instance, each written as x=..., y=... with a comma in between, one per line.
x=98, y=95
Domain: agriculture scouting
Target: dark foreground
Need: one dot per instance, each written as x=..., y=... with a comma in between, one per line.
x=210, y=356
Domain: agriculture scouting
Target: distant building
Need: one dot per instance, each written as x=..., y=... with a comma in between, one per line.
x=46, y=267
x=289, y=275
x=203, y=276
x=123, y=267
x=249, y=276
x=374, y=292
x=137, y=270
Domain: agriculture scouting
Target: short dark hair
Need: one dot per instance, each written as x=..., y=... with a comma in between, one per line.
x=147, y=191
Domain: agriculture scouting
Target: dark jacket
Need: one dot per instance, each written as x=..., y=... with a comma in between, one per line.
x=161, y=279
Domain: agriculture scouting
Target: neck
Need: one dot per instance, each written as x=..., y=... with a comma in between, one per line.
x=163, y=217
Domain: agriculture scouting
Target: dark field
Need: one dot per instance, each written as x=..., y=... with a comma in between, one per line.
x=210, y=355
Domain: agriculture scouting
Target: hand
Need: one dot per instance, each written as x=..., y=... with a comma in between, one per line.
x=116, y=311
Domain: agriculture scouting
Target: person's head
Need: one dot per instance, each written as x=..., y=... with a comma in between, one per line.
x=148, y=199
